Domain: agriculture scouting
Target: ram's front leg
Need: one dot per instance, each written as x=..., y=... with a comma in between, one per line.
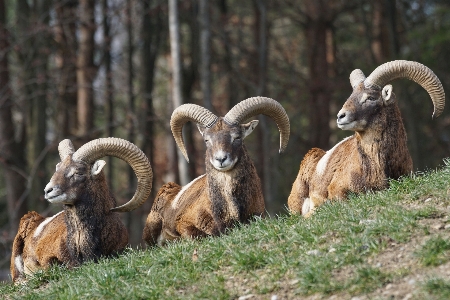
x=153, y=228
x=198, y=223
x=299, y=199
x=298, y=196
x=310, y=204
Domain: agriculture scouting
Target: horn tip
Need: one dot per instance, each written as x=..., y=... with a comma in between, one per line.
x=118, y=209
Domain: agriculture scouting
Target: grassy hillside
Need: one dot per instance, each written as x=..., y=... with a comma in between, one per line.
x=393, y=244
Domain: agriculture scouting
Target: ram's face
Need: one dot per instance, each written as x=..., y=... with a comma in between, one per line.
x=224, y=143
x=363, y=106
x=64, y=186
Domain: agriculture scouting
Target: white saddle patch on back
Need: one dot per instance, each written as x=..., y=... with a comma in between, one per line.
x=180, y=193
x=323, y=162
x=43, y=224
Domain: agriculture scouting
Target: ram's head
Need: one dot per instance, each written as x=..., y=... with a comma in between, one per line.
x=372, y=94
x=224, y=136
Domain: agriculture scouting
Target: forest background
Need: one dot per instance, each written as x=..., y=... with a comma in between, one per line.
x=95, y=68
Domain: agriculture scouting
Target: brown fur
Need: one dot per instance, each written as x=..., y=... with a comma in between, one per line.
x=85, y=230
x=213, y=202
x=362, y=162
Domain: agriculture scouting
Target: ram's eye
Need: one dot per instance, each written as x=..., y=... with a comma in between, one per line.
x=371, y=98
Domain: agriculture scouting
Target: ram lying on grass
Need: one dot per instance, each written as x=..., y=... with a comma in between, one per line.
x=89, y=226
x=230, y=191
x=376, y=152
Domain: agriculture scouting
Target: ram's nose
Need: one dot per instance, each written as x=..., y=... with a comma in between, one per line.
x=341, y=115
x=221, y=158
x=50, y=190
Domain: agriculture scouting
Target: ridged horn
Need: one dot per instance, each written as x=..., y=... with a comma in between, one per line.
x=356, y=77
x=65, y=148
x=413, y=71
x=128, y=152
x=185, y=113
x=261, y=105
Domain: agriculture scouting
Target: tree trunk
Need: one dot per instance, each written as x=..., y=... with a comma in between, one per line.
x=151, y=33
x=12, y=153
x=177, y=97
x=108, y=84
x=380, y=45
x=86, y=70
x=190, y=77
x=228, y=59
x=66, y=61
x=316, y=29
x=205, y=50
x=133, y=218
x=33, y=64
x=261, y=41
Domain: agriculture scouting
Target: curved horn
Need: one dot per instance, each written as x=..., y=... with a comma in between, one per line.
x=185, y=113
x=356, y=77
x=128, y=152
x=413, y=71
x=65, y=148
x=261, y=105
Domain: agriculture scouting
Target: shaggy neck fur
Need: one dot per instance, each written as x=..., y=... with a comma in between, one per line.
x=86, y=219
x=382, y=149
x=231, y=192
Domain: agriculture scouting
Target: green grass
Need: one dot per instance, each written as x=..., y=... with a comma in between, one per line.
x=333, y=252
x=435, y=252
x=438, y=287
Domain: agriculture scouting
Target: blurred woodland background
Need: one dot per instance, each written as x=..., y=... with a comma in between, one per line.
x=83, y=69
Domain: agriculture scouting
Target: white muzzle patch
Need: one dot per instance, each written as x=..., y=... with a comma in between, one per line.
x=222, y=161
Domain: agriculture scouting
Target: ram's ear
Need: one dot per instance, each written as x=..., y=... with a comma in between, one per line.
x=97, y=167
x=388, y=95
x=249, y=127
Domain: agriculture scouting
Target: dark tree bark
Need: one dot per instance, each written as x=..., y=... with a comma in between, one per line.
x=12, y=153
x=189, y=78
x=66, y=63
x=316, y=32
x=261, y=36
x=151, y=33
x=205, y=50
x=177, y=95
x=86, y=70
x=228, y=58
x=33, y=60
x=380, y=45
x=133, y=218
x=108, y=96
